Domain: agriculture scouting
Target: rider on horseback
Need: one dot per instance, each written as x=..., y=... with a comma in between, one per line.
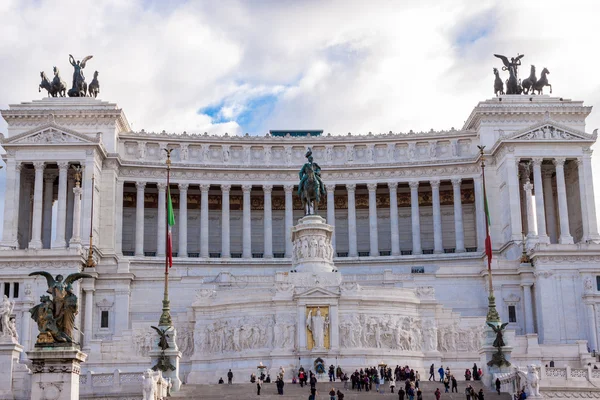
x=310, y=165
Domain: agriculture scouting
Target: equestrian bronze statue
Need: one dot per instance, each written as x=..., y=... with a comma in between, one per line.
x=310, y=188
x=514, y=85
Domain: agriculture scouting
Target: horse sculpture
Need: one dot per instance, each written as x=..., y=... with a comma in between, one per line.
x=498, y=84
x=543, y=81
x=94, y=87
x=530, y=81
x=310, y=195
x=58, y=85
x=45, y=84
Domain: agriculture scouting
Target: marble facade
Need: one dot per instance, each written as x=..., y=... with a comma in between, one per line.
x=405, y=274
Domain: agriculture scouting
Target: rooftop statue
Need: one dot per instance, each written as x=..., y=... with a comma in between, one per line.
x=310, y=188
x=55, y=316
x=514, y=85
x=79, y=88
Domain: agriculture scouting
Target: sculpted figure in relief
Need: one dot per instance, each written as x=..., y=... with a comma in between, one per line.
x=588, y=285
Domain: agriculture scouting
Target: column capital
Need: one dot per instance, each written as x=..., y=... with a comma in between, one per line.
x=547, y=173
x=78, y=190
x=393, y=185
x=435, y=184
x=528, y=186
x=288, y=189
x=267, y=189
x=49, y=178
x=351, y=187
x=225, y=188
x=63, y=166
x=204, y=187
x=537, y=161
x=579, y=161
x=559, y=161
x=18, y=166
x=183, y=187
x=39, y=165
x=140, y=186
x=456, y=181
x=162, y=186
x=414, y=185
x=372, y=187
x=246, y=188
x=330, y=187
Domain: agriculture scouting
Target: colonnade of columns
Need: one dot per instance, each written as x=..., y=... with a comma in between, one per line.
x=542, y=227
x=40, y=208
x=267, y=190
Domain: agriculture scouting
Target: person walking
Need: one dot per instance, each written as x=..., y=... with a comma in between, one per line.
x=480, y=395
x=258, y=386
x=446, y=384
x=498, y=385
x=229, y=377
x=340, y=395
x=454, y=384
x=419, y=394
x=431, y=372
x=441, y=372
x=438, y=394
x=332, y=394
x=401, y=393
x=468, y=392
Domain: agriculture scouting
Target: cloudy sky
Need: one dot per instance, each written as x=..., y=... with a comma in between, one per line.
x=340, y=66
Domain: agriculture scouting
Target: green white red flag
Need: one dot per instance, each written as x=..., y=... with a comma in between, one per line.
x=170, y=223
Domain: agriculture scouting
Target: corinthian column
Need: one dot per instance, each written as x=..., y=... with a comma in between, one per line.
x=585, y=220
x=36, y=228
x=539, y=200
x=479, y=213
x=374, y=238
x=549, y=205
x=352, y=244
x=395, y=234
x=268, y=222
x=289, y=219
x=61, y=218
x=416, y=218
x=225, y=236
x=331, y=211
x=139, y=219
x=563, y=210
x=161, y=220
x=204, y=220
x=183, y=190
x=437, y=217
x=531, y=233
x=76, y=236
x=458, y=216
x=47, y=211
x=246, y=223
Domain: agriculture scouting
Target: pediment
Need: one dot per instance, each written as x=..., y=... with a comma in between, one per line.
x=50, y=134
x=318, y=292
x=549, y=131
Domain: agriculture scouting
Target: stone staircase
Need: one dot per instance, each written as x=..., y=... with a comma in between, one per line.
x=242, y=391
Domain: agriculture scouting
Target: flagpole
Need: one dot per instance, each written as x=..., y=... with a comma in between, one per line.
x=165, y=317
x=492, y=315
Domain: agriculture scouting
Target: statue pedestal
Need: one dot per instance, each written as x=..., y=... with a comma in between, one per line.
x=55, y=372
x=172, y=355
x=312, y=249
x=10, y=351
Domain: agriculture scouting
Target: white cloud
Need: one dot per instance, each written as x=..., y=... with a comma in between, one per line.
x=339, y=66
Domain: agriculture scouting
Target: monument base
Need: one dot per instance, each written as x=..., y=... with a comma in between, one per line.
x=168, y=357
x=55, y=372
x=9, y=355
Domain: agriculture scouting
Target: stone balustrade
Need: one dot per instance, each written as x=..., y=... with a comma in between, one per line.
x=92, y=384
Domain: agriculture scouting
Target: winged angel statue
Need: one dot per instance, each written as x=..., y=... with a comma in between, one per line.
x=56, y=317
x=79, y=88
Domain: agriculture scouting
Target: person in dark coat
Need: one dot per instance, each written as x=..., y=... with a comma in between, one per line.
x=431, y=372
x=258, y=385
x=480, y=395
x=401, y=393
x=340, y=395
x=498, y=385
x=229, y=377
x=454, y=385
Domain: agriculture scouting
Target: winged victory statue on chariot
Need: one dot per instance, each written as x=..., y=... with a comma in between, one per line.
x=79, y=88
x=514, y=85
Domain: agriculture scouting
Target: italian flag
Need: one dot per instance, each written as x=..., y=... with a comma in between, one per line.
x=170, y=223
x=488, y=238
